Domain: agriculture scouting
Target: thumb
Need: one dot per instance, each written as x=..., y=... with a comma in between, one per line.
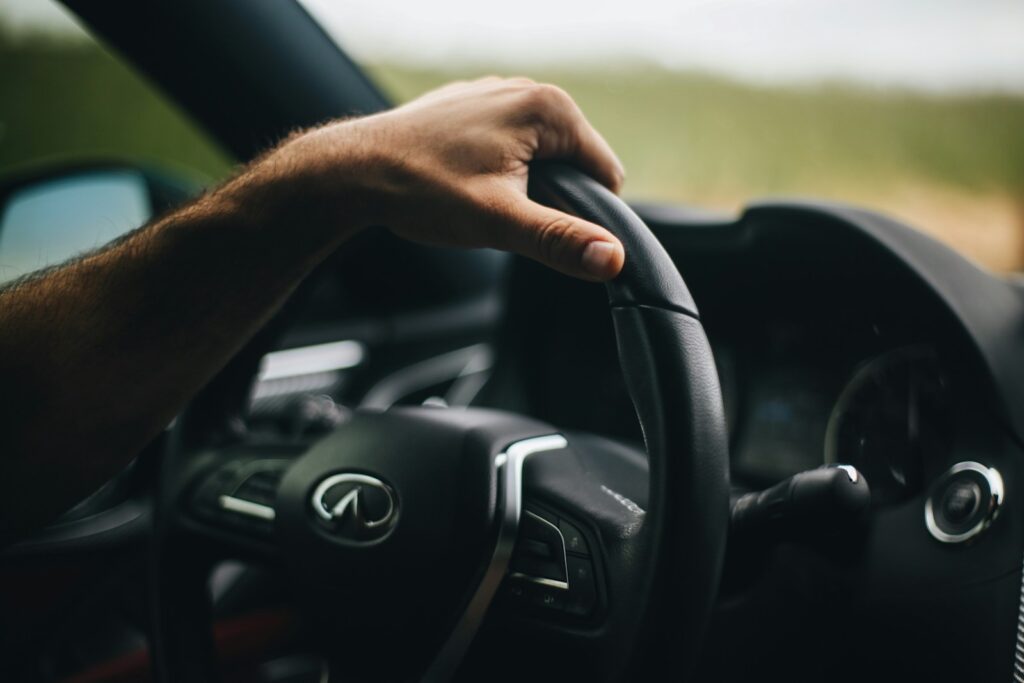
x=564, y=242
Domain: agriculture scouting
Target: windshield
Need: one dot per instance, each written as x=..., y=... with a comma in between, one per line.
x=914, y=108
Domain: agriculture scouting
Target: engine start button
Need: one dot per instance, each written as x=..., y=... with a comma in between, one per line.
x=963, y=502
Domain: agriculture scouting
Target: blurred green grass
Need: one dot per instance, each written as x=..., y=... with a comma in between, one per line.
x=66, y=99
x=689, y=136
x=952, y=164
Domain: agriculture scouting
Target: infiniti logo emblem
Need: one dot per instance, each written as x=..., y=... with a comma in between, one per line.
x=356, y=506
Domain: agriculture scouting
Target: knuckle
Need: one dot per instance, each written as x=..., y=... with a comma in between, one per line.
x=559, y=98
x=522, y=81
x=555, y=238
x=545, y=97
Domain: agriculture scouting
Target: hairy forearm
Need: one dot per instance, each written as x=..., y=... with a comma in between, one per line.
x=98, y=355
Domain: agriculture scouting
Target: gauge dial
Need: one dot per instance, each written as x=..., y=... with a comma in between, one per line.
x=891, y=415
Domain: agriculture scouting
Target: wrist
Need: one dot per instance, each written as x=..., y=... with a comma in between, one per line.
x=318, y=183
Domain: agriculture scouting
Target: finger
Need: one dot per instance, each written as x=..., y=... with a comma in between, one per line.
x=592, y=147
x=565, y=133
x=564, y=242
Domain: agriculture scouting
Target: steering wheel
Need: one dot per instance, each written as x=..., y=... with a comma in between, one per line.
x=412, y=534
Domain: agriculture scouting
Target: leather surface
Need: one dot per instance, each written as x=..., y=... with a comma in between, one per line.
x=648, y=277
x=677, y=563
x=663, y=580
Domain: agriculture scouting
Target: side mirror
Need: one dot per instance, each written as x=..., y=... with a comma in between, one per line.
x=49, y=217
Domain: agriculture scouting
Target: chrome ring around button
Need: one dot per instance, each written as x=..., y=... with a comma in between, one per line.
x=995, y=498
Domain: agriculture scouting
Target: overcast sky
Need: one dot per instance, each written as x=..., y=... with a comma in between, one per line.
x=931, y=44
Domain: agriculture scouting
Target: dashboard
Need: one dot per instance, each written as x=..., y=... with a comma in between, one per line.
x=839, y=337
x=828, y=347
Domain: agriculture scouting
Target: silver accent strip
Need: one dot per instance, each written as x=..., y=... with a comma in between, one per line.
x=851, y=472
x=510, y=471
x=541, y=581
x=554, y=583
x=311, y=360
x=247, y=507
x=996, y=498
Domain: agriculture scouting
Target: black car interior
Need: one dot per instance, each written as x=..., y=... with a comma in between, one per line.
x=800, y=464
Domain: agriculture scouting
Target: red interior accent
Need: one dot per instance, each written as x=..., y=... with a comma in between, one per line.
x=241, y=642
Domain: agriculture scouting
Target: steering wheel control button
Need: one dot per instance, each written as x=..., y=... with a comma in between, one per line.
x=539, y=549
x=963, y=502
x=582, y=587
x=547, y=598
x=539, y=554
x=551, y=570
x=574, y=540
x=242, y=494
x=355, y=507
x=260, y=486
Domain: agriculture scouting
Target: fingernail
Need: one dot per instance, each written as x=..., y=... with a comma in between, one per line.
x=599, y=259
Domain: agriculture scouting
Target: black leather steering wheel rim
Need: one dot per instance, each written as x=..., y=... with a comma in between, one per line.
x=668, y=571
x=669, y=369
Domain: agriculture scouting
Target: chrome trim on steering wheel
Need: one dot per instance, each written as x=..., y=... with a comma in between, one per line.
x=247, y=507
x=510, y=507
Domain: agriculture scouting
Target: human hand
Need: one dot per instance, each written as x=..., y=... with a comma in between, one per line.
x=451, y=168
